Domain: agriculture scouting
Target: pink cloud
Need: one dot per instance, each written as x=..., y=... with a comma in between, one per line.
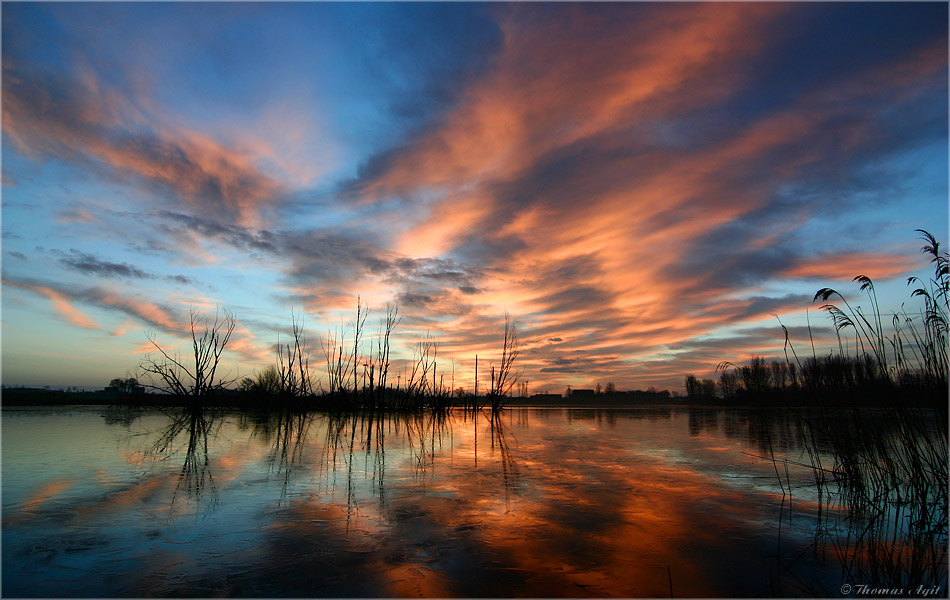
x=76, y=216
x=553, y=88
x=123, y=328
x=147, y=311
x=844, y=267
x=102, y=126
x=597, y=256
x=60, y=302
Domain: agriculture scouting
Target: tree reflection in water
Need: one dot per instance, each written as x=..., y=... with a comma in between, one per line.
x=286, y=433
x=189, y=429
x=499, y=440
x=394, y=476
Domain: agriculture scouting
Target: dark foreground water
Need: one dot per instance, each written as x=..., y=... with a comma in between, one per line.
x=539, y=502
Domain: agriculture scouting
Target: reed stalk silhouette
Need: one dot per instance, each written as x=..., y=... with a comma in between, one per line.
x=357, y=369
x=506, y=376
x=293, y=363
x=882, y=416
x=909, y=363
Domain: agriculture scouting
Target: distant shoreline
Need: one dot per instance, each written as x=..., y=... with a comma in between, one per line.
x=12, y=398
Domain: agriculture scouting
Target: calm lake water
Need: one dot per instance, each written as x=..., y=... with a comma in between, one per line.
x=539, y=502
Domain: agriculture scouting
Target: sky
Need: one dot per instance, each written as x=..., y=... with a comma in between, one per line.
x=645, y=188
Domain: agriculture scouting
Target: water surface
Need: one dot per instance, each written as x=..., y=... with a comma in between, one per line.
x=538, y=502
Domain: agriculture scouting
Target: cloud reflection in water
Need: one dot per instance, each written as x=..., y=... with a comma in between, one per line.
x=535, y=502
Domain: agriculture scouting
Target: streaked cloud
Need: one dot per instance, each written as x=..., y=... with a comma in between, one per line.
x=165, y=318
x=844, y=267
x=639, y=185
x=83, y=121
x=76, y=216
x=593, y=186
x=92, y=265
x=61, y=302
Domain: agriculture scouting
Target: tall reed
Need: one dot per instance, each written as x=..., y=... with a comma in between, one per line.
x=888, y=479
x=873, y=365
x=882, y=417
x=358, y=372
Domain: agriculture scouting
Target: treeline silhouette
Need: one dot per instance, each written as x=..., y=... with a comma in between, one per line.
x=873, y=366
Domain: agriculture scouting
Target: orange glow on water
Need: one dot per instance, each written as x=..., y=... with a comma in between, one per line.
x=46, y=493
x=554, y=503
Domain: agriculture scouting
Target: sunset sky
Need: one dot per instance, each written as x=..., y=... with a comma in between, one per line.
x=641, y=186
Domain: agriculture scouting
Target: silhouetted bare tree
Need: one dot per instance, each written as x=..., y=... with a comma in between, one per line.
x=293, y=363
x=377, y=383
x=421, y=380
x=197, y=375
x=504, y=377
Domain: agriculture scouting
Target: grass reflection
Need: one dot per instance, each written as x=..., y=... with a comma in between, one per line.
x=884, y=491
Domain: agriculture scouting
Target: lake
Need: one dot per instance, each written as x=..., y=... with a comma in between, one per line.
x=546, y=502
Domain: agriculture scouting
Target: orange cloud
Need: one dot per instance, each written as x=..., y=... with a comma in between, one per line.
x=147, y=347
x=100, y=125
x=439, y=231
x=553, y=88
x=123, y=328
x=243, y=342
x=555, y=176
x=60, y=302
x=844, y=267
x=76, y=216
x=583, y=180
x=145, y=310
